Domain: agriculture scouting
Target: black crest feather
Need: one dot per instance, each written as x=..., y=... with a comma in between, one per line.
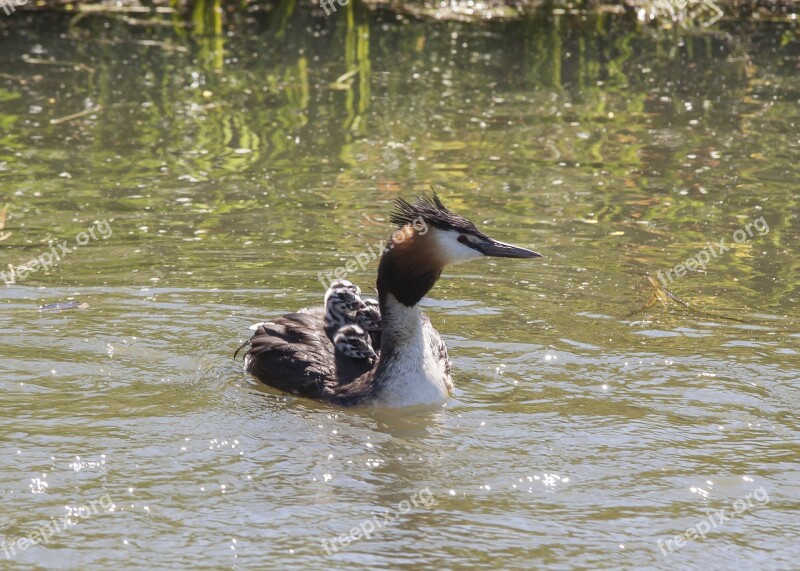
x=432, y=211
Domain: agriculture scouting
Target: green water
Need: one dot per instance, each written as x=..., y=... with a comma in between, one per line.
x=231, y=162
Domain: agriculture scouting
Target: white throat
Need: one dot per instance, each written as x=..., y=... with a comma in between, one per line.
x=451, y=250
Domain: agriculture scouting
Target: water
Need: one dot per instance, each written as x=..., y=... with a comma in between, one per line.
x=230, y=170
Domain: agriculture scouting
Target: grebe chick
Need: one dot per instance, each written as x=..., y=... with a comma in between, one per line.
x=341, y=300
x=354, y=342
x=345, y=284
x=369, y=318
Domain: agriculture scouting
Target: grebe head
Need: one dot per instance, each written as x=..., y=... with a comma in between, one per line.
x=369, y=317
x=431, y=237
x=341, y=299
x=347, y=285
x=353, y=341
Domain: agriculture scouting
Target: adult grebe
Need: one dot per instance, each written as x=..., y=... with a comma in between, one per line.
x=294, y=353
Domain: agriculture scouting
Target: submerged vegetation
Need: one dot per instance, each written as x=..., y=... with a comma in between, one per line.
x=665, y=13
x=660, y=124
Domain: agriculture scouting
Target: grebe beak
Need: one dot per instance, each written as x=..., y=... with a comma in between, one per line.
x=502, y=250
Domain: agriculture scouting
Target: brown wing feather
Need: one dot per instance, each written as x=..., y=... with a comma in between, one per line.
x=293, y=354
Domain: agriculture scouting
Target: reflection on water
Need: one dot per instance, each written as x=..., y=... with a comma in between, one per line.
x=237, y=158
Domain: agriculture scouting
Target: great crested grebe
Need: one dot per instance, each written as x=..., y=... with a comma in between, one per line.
x=295, y=354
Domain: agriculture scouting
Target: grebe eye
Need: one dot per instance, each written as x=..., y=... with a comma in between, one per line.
x=463, y=239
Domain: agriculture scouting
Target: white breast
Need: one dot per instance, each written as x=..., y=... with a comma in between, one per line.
x=413, y=376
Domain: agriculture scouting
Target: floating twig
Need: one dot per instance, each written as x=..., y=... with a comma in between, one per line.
x=115, y=9
x=18, y=78
x=344, y=81
x=371, y=221
x=72, y=64
x=666, y=297
x=75, y=115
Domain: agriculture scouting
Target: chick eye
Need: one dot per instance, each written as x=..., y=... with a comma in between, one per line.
x=463, y=239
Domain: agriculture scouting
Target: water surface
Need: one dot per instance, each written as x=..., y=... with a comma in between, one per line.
x=231, y=169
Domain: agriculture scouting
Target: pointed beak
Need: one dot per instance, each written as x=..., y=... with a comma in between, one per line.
x=503, y=250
